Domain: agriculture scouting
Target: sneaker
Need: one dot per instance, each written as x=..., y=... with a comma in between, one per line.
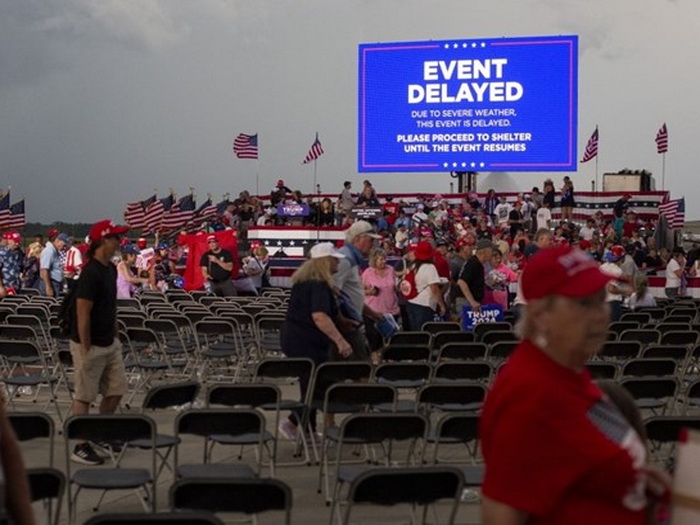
x=84, y=453
x=108, y=447
x=288, y=430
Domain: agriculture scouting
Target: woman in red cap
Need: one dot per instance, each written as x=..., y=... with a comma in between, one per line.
x=428, y=299
x=556, y=449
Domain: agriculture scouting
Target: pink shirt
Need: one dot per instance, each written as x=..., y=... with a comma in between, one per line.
x=385, y=302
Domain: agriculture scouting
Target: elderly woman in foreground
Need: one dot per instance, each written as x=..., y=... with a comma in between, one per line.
x=556, y=449
x=309, y=327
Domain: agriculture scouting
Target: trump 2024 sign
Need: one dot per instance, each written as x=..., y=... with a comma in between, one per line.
x=506, y=104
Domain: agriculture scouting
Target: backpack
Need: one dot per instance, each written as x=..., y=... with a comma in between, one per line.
x=67, y=313
x=408, y=287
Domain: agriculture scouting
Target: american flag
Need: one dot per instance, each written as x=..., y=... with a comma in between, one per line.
x=135, y=212
x=674, y=212
x=662, y=140
x=156, y=212
x=591, y=147
x=246, y=146
x=5, y=210
x=315, y=152
x=17, y=219
x=180, y=213
x=206, y=211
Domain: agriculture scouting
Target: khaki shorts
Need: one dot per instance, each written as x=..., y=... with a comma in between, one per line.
x=101, y=371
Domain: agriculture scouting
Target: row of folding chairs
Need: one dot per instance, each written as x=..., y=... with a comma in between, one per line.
x=675, y=334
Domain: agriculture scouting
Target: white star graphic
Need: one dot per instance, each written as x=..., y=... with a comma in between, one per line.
x=291, y=243
x=473, y=164
x=454, y=164
x=447, y=46
x=474, y=44
x=481, y=164
x=455, y=46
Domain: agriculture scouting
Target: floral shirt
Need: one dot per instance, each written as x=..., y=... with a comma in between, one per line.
x=11, y=264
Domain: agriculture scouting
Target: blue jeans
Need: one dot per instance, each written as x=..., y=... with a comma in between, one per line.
x=418, y=315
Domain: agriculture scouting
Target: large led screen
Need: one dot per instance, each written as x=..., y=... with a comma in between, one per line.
x=505, y=104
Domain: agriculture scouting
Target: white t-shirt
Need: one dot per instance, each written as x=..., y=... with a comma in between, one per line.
x=501, y=212
x=615, y=271
x=672, y=280
x=427, y=275
x=544, y=216
x=586, y=233
x=639, y=302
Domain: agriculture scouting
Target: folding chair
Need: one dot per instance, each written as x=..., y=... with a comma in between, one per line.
x=688, y=338
x=665, y=327
x=451, y=372
x=176, y=351
x=501, y=350
x=484, y=328
x=601, y=370
x=23, y=365
x=415, y=486
x=460, y=351
x=440, y=339
x=289, y=369
x=144, y=347
x=206, y=423
x=218, y=348
x=649, y=368
x=161, y=518
x=652, y=394
x=618, y=327
x=411, y=338
x=111, y=428
x=451, y=397
x=500, y=336
x=455, y=429
x=639, y=317
x=383, y=431
x=249, y=496
x=396, y=352
x=663, y=432
x=162, y=397
x=620, y=351
x=350, y=399
x=643, y=336
x=677, y=353
x=45, y=483
x=267, y=330
x=437, y=327
x=261, y=396
x=692, y=397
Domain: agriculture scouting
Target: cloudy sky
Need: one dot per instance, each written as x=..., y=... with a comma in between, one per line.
x=103, y=101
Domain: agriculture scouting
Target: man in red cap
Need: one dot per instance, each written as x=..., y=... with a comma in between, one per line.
x=216, y=265
x=11, y=263
x=94, y=342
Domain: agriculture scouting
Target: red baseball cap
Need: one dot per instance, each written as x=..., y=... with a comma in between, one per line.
x=211, y=238
x=564, y=271
x=105, y=228
x=424, y=251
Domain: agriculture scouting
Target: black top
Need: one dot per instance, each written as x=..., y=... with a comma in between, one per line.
x=98, y=284
x=473, y=274
x=619, y=208
x=299, y=329
x=217, y=273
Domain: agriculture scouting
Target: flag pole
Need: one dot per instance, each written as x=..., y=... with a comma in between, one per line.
x=597, y=188
x=663, y=171
x=257, y=176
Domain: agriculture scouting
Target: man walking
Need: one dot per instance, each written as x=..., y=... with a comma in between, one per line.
x=216, y=265
x=94, y=344
x=11, y=264
x=50, y=267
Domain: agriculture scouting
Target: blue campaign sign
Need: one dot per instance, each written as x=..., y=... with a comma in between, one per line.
x=488, y=313
x=507, y=104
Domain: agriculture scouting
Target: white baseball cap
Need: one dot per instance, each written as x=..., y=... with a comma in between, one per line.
x=325, y=249
x=360, y=228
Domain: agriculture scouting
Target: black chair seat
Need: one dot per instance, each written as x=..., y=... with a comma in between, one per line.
x=222, y=347
x=650, y=403
x=218, y=354
x=109, y=479
x=349, y=473
x=215, y=471
x=402, y=405
x=459, y=407
x=241, y=439
x=45, y=483
x=162, y=440
x=30, y=380
x=152, y=365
